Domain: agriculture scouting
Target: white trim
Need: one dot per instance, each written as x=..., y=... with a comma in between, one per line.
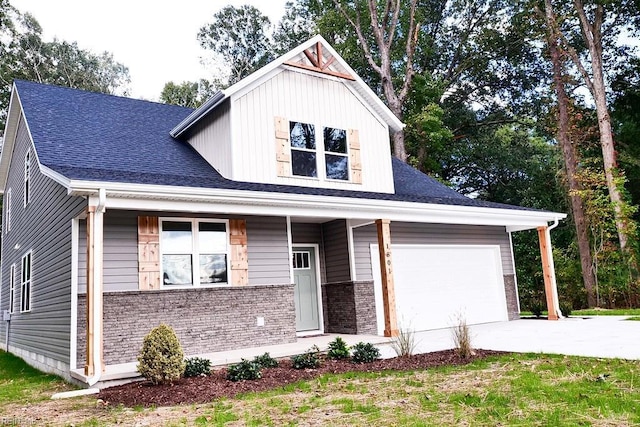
x=10, y=134
x=316, y=248
x=189, y=199
x=515, y=275
x=290, y=248
x=195, y=252
x=29, y=283
x=26, y=188
x=352, y=252
x=73, y=336
x=12, y=288
x=55, y=176
x=9, y=199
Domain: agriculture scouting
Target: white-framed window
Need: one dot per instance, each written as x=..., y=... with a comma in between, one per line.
x=25, y=283
x=326, y=159
x=7, y=219
x=194, y=252
x=27, y=178
x=12, y=288
x=301, y=260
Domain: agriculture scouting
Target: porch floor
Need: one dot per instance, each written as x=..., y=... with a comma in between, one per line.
x=126, y=372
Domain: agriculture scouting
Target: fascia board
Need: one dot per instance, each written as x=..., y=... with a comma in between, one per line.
x=138, y=196
x=9, y=137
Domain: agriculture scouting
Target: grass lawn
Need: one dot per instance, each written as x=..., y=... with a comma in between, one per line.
x=607, y=312
x=521, y=390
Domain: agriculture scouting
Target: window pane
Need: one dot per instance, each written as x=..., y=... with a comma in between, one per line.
x=335, y=140
x=213, y=269
x=177, y=270
x=213, y=237
x=302, y=135
x=176, y=237
x=337, y=167
x=304, y=163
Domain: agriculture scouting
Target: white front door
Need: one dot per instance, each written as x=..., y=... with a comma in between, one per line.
x=306, y=288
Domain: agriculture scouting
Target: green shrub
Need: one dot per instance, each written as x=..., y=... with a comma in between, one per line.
x=307, y=360
x=536, y=309
x=161, y=359
x=265, y=361
x=196, y=366
x=566, y=309
x=365, y=353
x=338, y=349
x=245, y=370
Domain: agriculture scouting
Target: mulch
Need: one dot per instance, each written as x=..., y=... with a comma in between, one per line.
x=214, y=386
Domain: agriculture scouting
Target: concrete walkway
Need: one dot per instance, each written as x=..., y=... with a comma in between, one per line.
x=598, y=336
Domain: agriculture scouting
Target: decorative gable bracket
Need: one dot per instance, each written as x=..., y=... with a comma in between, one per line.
x=319, y=64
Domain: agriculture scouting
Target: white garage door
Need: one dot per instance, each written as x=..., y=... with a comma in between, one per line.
x=435, y=283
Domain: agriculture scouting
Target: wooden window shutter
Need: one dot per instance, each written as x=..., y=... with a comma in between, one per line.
x=283, y=149
x=239, y=257
x=354, y=156
x=148, y=253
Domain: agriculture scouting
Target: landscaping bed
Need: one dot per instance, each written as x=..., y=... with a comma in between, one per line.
x=207, y=388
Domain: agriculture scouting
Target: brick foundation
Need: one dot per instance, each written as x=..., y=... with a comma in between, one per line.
x=350, y=307
x=512, y=296
x=205, y=320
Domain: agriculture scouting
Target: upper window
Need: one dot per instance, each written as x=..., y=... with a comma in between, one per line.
x=12, y=288
x=7, y=220
x=27, y=178
x=194, y=252
x=25, y=283
x=307, y=157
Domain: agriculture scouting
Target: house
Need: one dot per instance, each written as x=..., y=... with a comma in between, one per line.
x=261, y=216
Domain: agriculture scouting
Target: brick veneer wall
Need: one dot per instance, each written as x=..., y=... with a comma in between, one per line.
x=512, y=296
x=205, y=319
x=349, y=307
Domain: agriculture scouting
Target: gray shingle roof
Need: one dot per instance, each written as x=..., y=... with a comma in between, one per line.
x=96, y=137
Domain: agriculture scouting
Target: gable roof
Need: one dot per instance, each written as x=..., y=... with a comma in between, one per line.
x=88, y=136
x=338, y=66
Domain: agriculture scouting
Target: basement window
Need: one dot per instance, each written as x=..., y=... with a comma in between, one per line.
x=194, y=252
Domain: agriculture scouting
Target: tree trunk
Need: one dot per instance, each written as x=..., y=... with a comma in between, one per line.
x=570, y=162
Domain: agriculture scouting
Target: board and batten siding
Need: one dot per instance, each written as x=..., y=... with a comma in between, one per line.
x=43, y=227
x=306, y=98
x=267, y=247
x=336, y=251
x=426, y=234
x=212, y=139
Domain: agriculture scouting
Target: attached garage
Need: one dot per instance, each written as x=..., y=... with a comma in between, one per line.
x=436, y=283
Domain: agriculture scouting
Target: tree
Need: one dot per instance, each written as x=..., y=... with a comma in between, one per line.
x=295, y=27
x=187, y=94
x=25, y=55
x=240, y=37
x=563, y=135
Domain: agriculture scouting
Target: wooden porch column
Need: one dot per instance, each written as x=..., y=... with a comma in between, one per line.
x=550, y=289
x=94, y=290
x=386, y=273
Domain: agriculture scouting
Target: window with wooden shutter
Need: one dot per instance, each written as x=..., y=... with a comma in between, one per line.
x=148, y=253
x=283, y=151
x=239, y=257
x=354, y=155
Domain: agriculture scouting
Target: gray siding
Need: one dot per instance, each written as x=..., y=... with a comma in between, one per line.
x=310, y=233
x=336, y=251
x=44, y=227
x=267, y=248
x=430, y=234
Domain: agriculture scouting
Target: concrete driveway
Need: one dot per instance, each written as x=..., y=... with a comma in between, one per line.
x=600, y=336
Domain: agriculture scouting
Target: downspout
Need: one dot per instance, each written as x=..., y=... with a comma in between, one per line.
x=553, y=269
x=97, y=291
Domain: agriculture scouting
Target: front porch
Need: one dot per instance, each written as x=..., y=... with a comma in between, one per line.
x=126, y=372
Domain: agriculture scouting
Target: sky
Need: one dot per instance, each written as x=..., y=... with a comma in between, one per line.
x=155, y=39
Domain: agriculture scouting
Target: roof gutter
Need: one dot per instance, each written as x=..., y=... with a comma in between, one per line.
x=197, y=114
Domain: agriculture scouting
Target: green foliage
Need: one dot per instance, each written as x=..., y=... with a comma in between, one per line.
x=536, y=308
x=245, y=370
x=307, y=360
x=365, y=353
x=161, y=359
x=566, y=309
x=265, y=361
x=187, y=94
x=338, y=349
x=196, y=366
